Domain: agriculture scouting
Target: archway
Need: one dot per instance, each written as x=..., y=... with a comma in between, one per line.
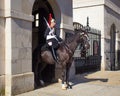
x=41, y=9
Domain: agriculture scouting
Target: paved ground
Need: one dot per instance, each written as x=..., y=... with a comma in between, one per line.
x=88, y=84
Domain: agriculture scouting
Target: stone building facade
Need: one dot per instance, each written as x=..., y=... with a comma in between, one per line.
x=19, y=32
x=18, y=39
x=104, y=15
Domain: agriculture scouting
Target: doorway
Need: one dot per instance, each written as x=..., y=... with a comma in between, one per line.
x=112, y=46
x=41, y=10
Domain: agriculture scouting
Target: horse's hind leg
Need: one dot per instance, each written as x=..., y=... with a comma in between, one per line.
x=41, y=68
x=38, y=76
x=67, y=78
x=37, y=83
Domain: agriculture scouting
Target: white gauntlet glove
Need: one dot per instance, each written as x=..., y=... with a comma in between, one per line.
x=52, y=32
x=50, y=43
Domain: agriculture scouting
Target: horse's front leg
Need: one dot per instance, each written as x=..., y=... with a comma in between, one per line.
x=64, y=86
x=67, y=78
x=69, y=85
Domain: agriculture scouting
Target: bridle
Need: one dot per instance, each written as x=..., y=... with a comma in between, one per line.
x=84, y=35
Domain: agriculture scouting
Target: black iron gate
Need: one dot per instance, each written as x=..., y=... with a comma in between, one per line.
x=92, y=60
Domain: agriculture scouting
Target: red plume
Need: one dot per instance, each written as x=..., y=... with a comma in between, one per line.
x=50, y=18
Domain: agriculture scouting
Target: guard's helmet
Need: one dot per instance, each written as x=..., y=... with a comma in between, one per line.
x=50, y=19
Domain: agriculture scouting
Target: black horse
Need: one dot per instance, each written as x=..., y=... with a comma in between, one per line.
x=65, y=54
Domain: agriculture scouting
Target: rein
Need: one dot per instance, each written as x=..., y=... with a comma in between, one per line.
x=66, y=47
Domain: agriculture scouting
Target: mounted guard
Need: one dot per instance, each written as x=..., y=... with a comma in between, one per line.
x=64, y=50
x=52, y=39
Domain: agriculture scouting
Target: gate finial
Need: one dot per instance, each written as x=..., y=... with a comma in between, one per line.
x=87, y=27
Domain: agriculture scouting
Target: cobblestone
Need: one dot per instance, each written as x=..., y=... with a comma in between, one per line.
x=88, y=84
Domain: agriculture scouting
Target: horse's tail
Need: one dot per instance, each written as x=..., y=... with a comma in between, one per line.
x=35, y=64
x=35, y=58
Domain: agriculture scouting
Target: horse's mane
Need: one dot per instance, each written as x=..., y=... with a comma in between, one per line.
x=71, y=37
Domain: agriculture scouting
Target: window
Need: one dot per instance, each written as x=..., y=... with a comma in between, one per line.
x=36, y=20
x=95, y=47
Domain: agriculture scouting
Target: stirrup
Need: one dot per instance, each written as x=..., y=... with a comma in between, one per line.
x=56, y=60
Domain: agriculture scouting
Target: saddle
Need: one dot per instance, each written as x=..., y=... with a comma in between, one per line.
x=46, y=47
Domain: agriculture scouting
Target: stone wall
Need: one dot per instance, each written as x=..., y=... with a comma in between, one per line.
x=19, y=77
x=2, y=48
x=21, y=56
x=2, y=53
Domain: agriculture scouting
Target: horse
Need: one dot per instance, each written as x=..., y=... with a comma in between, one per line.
x=65, y=56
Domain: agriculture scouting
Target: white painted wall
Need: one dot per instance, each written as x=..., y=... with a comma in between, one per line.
x=102, y=14
x=93, y=9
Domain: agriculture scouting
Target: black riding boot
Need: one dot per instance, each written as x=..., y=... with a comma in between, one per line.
x=54, y=54
x=59, y=39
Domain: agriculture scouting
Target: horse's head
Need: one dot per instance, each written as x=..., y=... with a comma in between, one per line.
x=84, y=41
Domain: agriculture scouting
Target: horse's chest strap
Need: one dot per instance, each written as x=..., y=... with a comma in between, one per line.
x=68, y=49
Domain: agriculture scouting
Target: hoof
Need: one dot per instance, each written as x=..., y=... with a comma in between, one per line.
x=69, y=87
x=59, y=81
x=64, y=87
